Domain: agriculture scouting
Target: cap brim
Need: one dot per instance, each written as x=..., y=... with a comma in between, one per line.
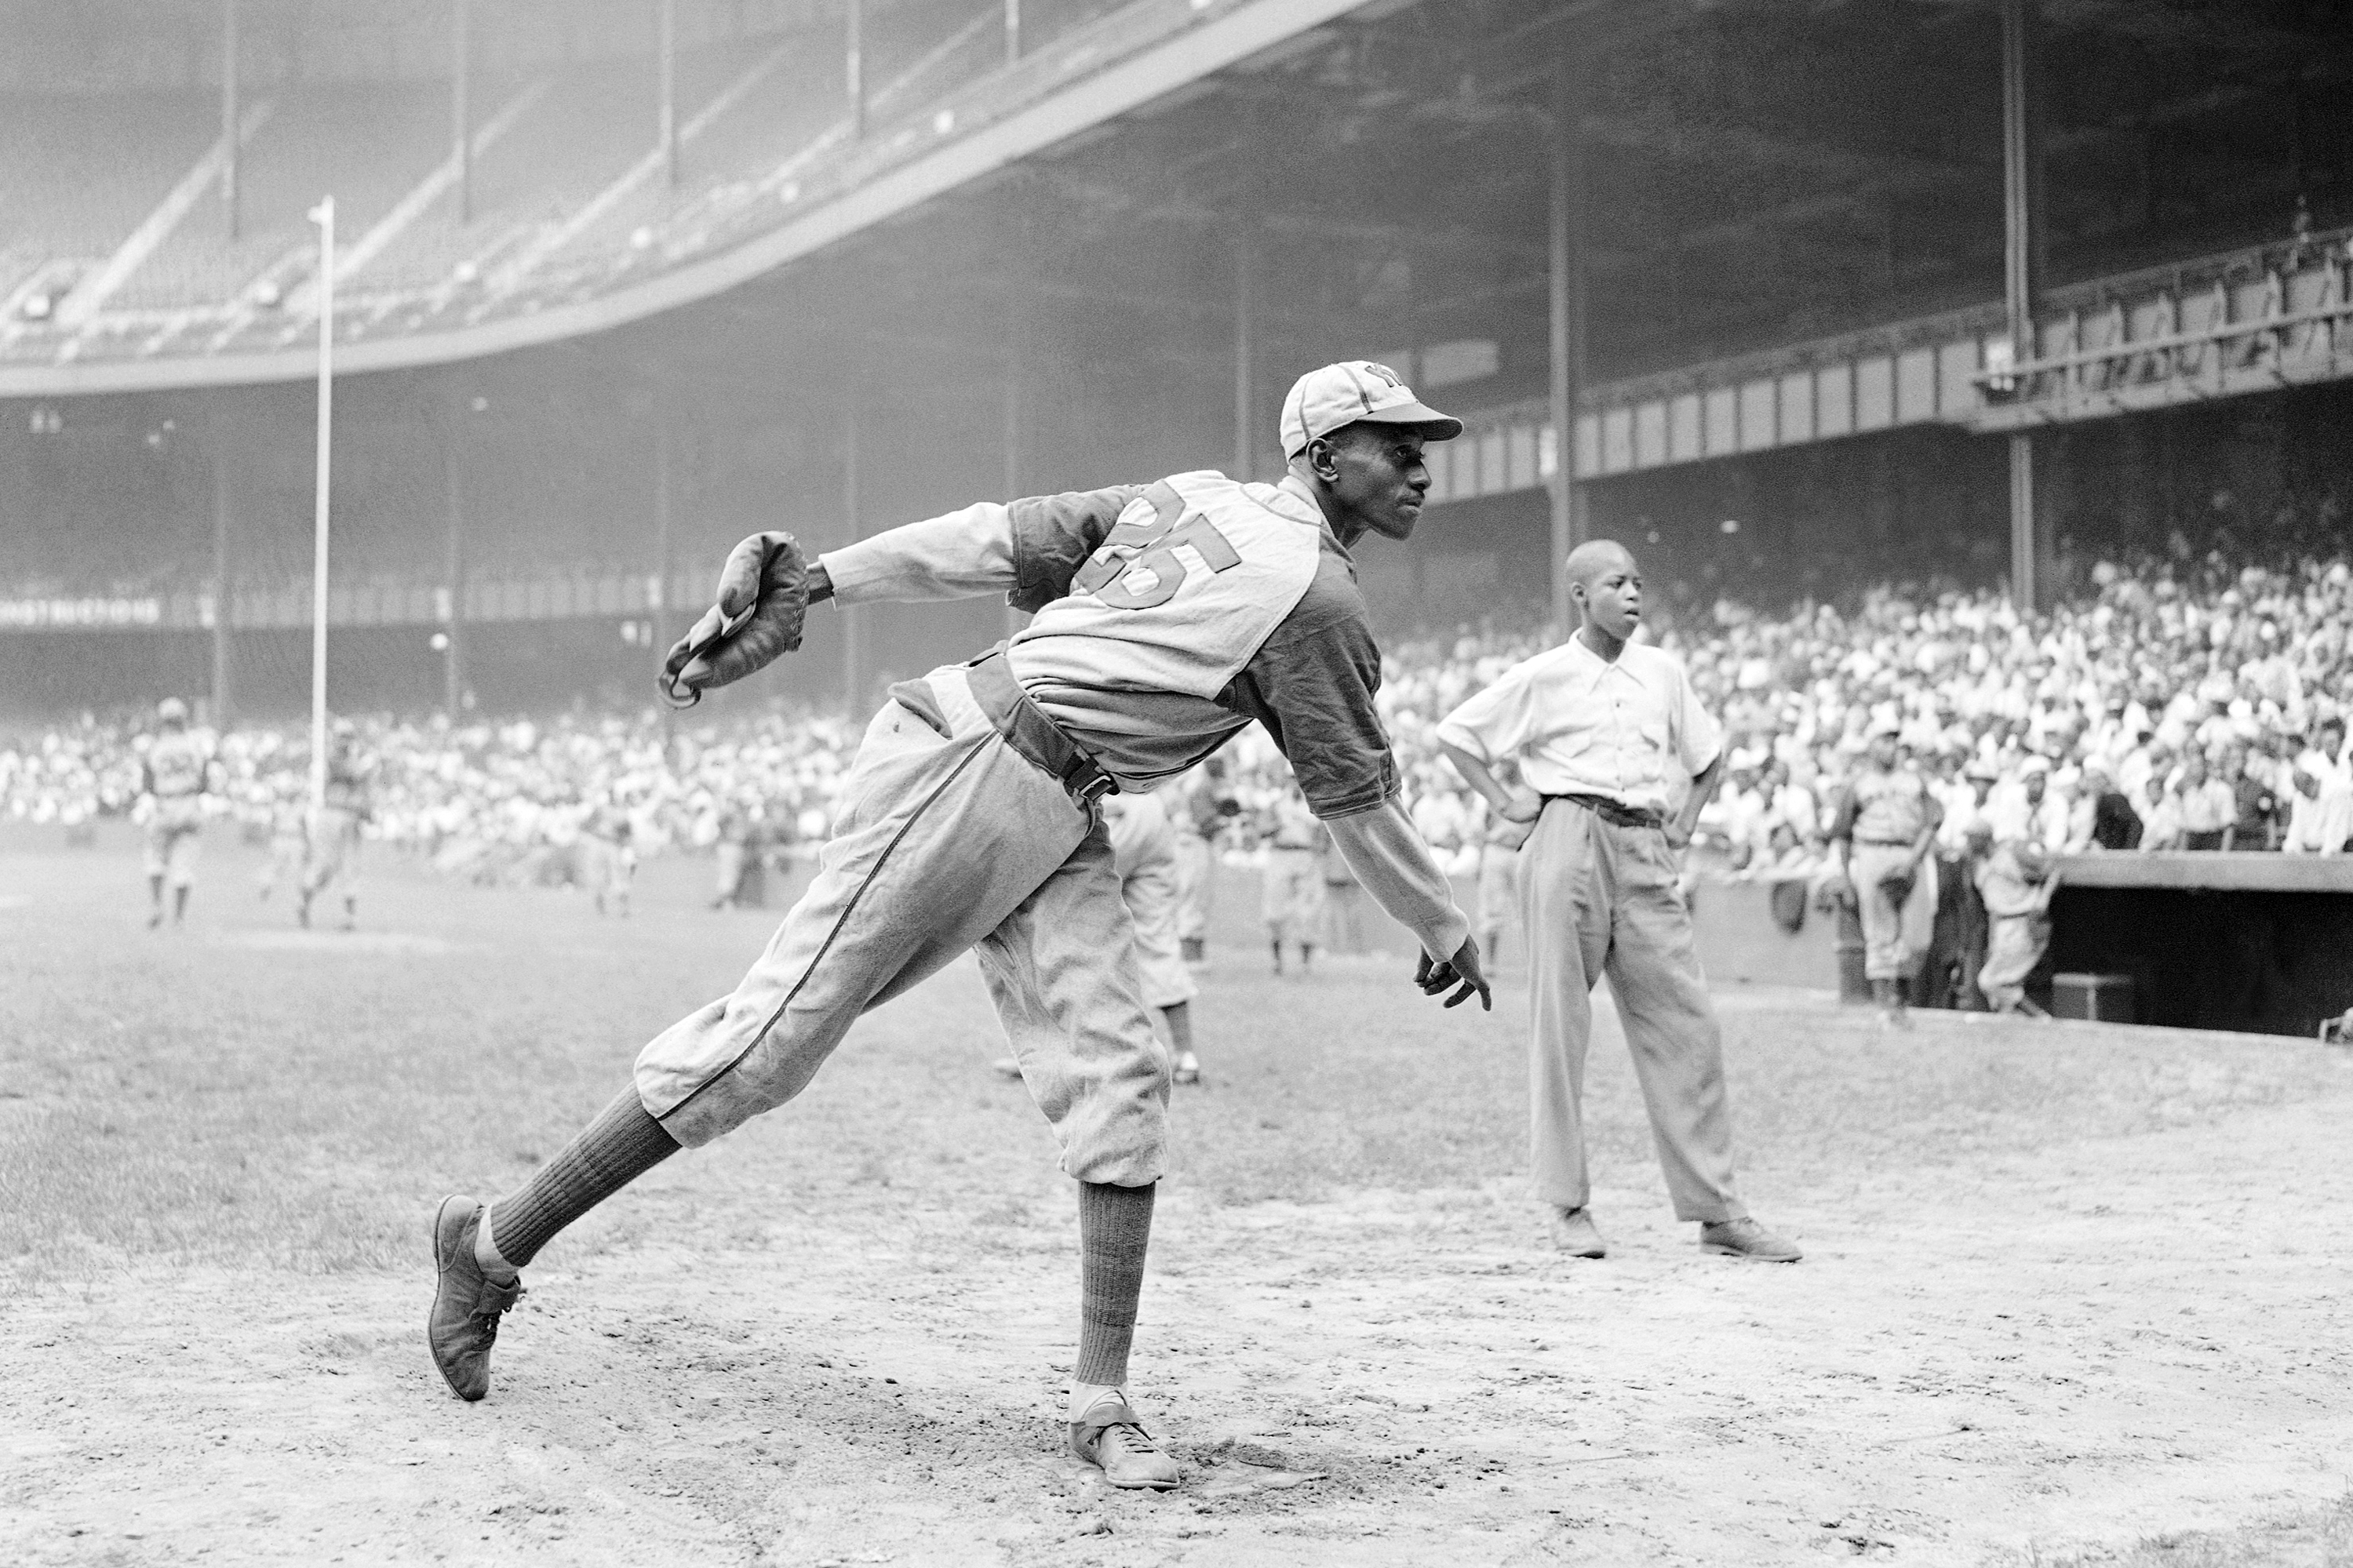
x=1436, y=426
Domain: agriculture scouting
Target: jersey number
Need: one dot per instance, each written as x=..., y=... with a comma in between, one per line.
x=1138, y=566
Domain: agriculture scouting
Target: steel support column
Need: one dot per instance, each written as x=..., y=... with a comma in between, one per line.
x=229, y=137
x=853, y=618
x=453, y=558
x=1568, y=312
x=854, y=63
x=222, y=693
x=667, y=132
x=2020, y=238
x=664, y=514
x=1245, y=356
x=461, y=113
x=1017, y=332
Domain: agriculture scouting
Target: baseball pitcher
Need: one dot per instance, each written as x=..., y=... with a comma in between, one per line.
x=1166, y=617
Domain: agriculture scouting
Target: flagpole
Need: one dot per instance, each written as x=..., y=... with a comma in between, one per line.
x=323, y=214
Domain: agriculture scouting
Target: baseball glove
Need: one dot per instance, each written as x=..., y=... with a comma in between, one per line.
x=1897, y=886
x=762, y=601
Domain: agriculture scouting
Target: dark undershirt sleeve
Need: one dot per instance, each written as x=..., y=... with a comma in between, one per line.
x=1312, y=686
x=1052, y=537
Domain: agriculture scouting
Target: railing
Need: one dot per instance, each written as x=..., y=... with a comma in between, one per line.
x=2238, y=321
x=423, y=600
x=2221, y=338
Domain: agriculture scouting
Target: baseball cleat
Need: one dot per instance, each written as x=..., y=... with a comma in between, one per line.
x=1114, y=1442
x=1008, y=1066
x=1574, y=1232
x=466, y=1304
x=1188, y=1069
x=1744, y=1237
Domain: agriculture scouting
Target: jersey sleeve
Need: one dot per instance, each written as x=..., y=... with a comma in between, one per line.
x=1312, y=685
x=1053, y=535
x=1027, y=550
x=954, y=556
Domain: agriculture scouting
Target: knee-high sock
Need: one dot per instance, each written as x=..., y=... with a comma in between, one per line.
x=620, y=1145
x=1114, y=1227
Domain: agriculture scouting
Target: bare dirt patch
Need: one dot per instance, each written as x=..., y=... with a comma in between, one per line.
x=2070, y=1295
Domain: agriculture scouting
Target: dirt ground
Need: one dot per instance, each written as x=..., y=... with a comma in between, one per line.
x=2072, y=1294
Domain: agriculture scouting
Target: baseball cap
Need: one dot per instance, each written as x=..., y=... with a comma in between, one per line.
x=1350, y=391
x=171, y=709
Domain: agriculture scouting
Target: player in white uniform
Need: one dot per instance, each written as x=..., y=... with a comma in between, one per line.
x=173, y=778
x=333, y=860
x=1166, y=617
x=1144, y=855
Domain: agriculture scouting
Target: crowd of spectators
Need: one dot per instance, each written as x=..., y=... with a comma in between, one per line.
x=2175, y=706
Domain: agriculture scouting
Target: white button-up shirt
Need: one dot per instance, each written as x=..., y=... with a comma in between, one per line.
x=1631, y=730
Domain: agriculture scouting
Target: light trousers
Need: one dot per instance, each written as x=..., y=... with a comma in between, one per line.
x=1602, y=900
x=945, y=842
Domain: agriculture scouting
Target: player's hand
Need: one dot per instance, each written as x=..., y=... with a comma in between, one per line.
x=763, y=600
x=1524, y=805
x=1679, y=833
x=1463, y=970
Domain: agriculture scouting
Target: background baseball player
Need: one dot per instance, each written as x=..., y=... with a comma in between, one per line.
x=1606, y=733
x=333, y=860
x=1291, y=898
x=1166, y=617
x=173, y=775
x=1144, y=858
x=1884, y=826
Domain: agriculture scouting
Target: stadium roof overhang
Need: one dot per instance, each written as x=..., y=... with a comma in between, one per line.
x=1759, y=173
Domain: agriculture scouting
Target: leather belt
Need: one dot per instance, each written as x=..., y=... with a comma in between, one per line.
x=1612, y=812
x=1888, y=842
x=1039, y=740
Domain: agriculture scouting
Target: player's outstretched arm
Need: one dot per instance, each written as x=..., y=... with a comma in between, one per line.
x=1395, y=865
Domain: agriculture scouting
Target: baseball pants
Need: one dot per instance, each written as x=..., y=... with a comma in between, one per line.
x=172, y=843
x=1894, y=936
x=1596, y=899
x=335, y=852
x=2014, y=948
x=945, y=842
x=1146, y=864
x=1293, y=901
x=1499, y=893
x=1196, y=881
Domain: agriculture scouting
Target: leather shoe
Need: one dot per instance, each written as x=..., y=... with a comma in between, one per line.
x=466, y=1304
x=1744, y=1237
x=1114, y=1441
x=1574, y=1232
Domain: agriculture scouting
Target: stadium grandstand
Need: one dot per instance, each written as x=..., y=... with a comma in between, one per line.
x=1825, y=297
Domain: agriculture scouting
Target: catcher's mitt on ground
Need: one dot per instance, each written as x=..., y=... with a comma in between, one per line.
x=763, y=600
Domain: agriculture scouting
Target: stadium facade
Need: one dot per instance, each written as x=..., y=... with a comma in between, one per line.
x=1822, y=294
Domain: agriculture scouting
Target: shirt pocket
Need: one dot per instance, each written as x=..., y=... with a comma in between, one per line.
x=1649, y=759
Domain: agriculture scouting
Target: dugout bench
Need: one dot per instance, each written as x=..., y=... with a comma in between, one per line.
x=2257, y=943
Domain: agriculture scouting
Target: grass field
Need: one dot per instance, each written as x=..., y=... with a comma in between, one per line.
x=2073, y=1294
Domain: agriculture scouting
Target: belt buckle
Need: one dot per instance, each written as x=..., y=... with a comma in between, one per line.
x=1094, y=789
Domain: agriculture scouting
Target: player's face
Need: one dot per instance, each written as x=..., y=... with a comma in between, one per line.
x=1375, y=475
x=1882, y=751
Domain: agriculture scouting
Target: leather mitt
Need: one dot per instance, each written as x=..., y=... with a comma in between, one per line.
x=762, y=604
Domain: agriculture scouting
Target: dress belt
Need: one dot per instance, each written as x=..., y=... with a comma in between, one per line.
x=1613, y=811
x=1028, y=729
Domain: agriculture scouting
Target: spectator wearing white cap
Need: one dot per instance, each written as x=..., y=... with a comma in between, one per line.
x=2029, y=808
